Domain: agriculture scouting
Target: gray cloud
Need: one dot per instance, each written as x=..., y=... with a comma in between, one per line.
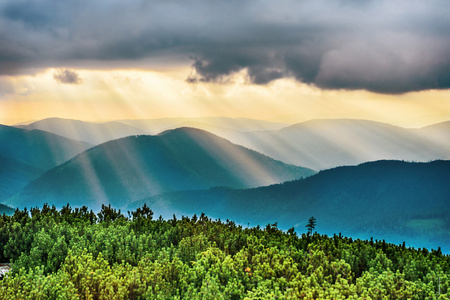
x=67, y=76
x=382, y=46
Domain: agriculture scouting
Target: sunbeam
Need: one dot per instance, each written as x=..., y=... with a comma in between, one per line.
x=106, y=95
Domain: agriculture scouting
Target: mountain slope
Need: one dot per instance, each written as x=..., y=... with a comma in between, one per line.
x=323, y=144
x=438, y=134
x=14, y=175
x=24, y=155
x=392, y=200
x=93, y=133
x=36, y=148
x=131, y=168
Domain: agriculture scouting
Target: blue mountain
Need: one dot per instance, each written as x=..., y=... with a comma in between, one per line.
x=393, y=200
x=92, y=133
x=26, y=154
x=132, y=168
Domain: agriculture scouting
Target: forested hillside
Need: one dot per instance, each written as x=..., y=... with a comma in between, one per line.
x=76, y=254
x=393, y=200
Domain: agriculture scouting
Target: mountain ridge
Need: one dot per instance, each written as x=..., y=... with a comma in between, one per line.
x=395, y=200
x=328, y=143
x=154, y=126
x=38, y=148
x=130, y=167
x=26, y=154
x=318, y=144
x=89, y=132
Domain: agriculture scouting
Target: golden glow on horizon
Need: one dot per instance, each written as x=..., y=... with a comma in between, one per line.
x=135, y=94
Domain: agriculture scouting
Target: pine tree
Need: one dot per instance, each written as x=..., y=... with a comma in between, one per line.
x=311, y=225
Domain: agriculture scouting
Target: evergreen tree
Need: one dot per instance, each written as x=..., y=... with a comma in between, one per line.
x=311, y=225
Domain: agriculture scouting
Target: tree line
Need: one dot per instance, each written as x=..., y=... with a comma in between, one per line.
x=73, y=253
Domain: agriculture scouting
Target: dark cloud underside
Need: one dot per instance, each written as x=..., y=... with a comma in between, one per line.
x=381, y=46
x=67, y=76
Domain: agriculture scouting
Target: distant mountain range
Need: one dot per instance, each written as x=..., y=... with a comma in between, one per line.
x=215, y=125
x=393, y=200
x=317, y=144
x=131, y=168
x=97, y=133
x=324, y=144
x=25, y=154
x=438, y=134
x=92, y=133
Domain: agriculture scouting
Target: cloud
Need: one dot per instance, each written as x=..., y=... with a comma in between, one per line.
x=67, y=76
x=6, y=88
x=381, y=46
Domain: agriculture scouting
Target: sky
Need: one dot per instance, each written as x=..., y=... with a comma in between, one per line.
x=286, y=61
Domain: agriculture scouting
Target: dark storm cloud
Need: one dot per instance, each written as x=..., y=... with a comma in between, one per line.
x=67, y=77
x=381, y=46
x=214, y=65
